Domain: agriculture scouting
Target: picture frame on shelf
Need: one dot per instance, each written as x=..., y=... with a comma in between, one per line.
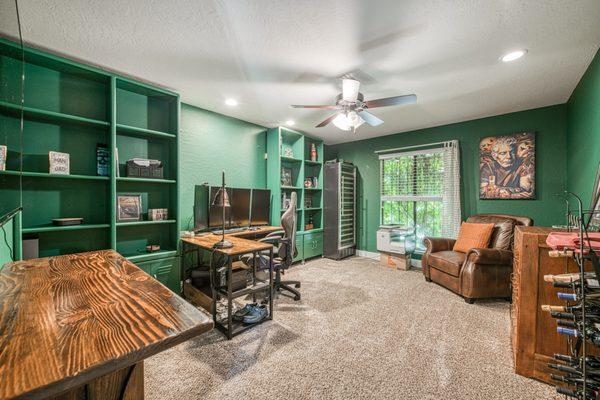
x=59, y=163
x=286, y=176
x=3, y=152
x=158, y=214
x=129, y=207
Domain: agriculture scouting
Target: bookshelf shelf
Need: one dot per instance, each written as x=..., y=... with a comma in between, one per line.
x=142, y=132
x=52, y=116
x=55, y=228
x=282, y=141
x=56, y=176
x=71, y=107
x=138, y=223
x=146, y=180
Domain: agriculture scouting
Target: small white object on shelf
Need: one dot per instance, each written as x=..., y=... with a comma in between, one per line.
x=59, y=163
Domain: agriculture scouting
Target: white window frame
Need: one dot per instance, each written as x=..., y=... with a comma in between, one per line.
x=414, y=199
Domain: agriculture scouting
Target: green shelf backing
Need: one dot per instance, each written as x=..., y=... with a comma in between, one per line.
x=72, y=107
x=287, y=148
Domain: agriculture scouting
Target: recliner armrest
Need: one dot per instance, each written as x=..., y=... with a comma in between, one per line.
x=435, y=244
x=490, y=257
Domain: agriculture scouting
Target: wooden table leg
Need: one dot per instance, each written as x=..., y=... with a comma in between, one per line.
x=125, y=384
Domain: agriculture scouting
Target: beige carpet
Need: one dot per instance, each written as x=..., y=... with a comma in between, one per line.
x=361, y=331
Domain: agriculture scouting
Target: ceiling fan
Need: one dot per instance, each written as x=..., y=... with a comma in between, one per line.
x=351, y=107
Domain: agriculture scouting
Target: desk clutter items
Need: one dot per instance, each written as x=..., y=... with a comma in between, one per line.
x=308, y=202
x=187, y=234
x=152, y=248
x=67, y=221
x=144, y=168
x=311, y=182
x=3, y=152
x=129, y=208
x=59, y=163
x=102, y=160
x=158, y=214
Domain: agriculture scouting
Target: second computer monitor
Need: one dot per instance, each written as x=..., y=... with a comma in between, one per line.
x=261, y=207
x=240, y=208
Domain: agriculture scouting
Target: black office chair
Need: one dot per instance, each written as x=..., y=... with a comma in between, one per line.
x=286, y=250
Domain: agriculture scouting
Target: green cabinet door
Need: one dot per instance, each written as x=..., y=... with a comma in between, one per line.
x=165, y=270
x=313, y=244
x=300, y=247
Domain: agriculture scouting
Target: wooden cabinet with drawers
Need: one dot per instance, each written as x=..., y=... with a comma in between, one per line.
x=533, y=331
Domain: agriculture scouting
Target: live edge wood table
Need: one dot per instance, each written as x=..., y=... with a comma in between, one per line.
x=79, y=326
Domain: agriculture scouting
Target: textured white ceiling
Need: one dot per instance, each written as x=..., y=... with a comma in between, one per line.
x=268, y=54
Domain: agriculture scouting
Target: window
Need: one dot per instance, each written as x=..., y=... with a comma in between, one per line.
x=411, y=191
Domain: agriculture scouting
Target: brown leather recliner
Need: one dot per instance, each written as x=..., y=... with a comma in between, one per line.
x=480, y=273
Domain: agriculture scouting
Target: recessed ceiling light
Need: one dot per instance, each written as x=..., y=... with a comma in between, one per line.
x=289, y=122
x=513, y=55
x=231, y=102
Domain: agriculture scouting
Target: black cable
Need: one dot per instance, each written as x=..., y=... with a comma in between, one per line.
x=12, y=254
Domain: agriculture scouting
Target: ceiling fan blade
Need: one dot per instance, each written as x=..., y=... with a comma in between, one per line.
x=324, y=107
x=370, y=118
x=327, y=121
x=391, y=101
x=350, y=89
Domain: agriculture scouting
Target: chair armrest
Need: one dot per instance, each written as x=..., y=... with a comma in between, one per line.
x=438, y=244
x=275, y=234
x=490, y=257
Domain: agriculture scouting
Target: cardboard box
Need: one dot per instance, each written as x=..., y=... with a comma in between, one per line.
x=395, y=261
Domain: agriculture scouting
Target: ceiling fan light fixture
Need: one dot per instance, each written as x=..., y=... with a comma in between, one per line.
x=348, y=121
x=350, y=90
x=341, y=122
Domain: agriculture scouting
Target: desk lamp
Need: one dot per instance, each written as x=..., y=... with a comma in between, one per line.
x=222, y=200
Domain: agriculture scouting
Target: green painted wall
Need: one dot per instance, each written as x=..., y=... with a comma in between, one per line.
x=583, y=127
x=210, y=143
x=549, y=123
x=6, y=237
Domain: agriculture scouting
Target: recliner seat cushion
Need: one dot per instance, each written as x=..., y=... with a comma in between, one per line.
x=449, y=262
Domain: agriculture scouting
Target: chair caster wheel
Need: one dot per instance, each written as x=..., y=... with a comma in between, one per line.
x=469, y=300
x=297, y=285
x=296, y=298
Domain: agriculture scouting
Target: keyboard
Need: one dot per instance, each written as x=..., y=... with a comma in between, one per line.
x=228, y=231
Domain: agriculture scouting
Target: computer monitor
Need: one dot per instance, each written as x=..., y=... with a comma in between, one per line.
x=261, y=207
x=200, y=208
x=215, y=213
x=240, y=208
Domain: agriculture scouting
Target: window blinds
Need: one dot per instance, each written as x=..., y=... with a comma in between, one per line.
x=413, y=176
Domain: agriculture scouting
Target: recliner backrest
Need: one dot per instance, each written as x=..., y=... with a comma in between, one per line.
x=504, y=228
x=288, y=223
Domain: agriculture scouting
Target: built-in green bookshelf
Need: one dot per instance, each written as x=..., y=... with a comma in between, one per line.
x=71, y=107
x=291, y=150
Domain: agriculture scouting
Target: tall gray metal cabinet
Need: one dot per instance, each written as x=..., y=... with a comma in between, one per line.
x=339, y=239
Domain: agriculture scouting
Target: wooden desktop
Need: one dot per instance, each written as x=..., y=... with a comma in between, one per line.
x=80, y=326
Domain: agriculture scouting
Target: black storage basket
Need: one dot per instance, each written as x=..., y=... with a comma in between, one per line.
x=136, y=169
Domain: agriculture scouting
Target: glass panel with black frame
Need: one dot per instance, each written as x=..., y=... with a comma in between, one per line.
x=11, y=131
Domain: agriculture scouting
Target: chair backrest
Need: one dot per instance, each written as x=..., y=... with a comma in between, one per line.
x=288, y=223
x=504, y=228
